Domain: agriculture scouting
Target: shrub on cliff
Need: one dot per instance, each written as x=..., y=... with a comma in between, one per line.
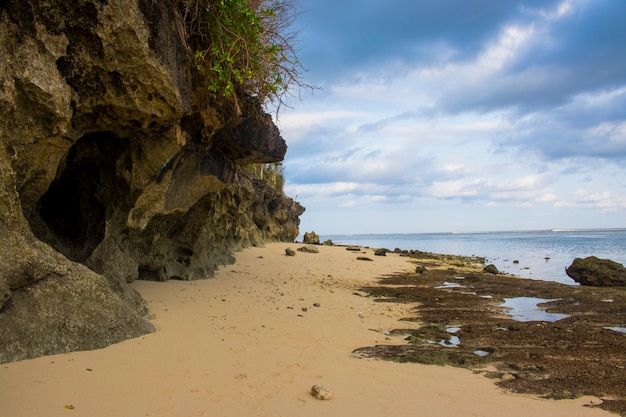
x=244, y=45
x=272, y=174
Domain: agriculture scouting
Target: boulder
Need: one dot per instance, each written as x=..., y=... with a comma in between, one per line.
x=381, y=252
x=491, y=269
x=290, y=252
x=420, y=269
x=311, y=238
x=309, y=249
x=597, y=272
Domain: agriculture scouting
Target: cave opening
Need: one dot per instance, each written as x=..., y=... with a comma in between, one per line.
x=84, y=194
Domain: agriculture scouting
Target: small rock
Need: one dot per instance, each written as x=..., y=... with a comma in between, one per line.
x=508, y=377
x=381, y=252
x=316, y=304
x=305, y=309
x=420, y=269
x=321, y=393
x=309, y=249
x=290, y=252
x=491, y=269
x=328, y=243
x=516, y=261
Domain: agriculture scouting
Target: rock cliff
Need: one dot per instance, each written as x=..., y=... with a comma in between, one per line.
x=115, y=165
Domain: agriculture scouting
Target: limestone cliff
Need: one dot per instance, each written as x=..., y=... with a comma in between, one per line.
x=116, y=166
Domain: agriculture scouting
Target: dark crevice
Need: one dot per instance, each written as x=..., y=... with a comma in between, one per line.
x=75, y=208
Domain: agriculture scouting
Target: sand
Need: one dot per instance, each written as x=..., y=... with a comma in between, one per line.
x=240, y=344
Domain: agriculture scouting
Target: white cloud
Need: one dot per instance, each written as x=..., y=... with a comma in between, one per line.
x=322, y=190
x=600, y=200
x=379, y=198
x=458, y=188
x=547, y=198
x=529, y=182
x=507, y=126
x=453, y=167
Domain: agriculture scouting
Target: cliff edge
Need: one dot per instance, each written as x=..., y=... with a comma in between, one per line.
x=116, y=165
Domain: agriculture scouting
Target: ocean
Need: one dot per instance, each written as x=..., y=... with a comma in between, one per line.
x=542, y=254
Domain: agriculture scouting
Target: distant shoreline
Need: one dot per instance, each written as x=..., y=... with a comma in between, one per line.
x=540, y=254
x=584, y=230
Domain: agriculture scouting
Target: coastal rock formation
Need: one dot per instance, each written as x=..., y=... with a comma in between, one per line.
x=597, y=272
x=116, y=165
x=311, y=238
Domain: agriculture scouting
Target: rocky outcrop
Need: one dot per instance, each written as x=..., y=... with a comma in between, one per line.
x=491, y=269
x=311, y=238
x=597, y=272
x=115, y=165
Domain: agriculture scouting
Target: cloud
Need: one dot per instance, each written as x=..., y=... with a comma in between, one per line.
x=506, y=105
x=458, y=188
x=369, y=34
x=591, y=125
x=602, y=200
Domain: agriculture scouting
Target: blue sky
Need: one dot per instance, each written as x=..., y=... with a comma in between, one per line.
x=443, y=116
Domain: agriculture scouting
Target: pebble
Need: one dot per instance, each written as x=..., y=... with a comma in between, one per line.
x=321, y=393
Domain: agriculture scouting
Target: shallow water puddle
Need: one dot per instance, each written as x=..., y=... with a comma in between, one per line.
x=526, y=309
x=447, y=285
x=453, y=340
x=617, y=329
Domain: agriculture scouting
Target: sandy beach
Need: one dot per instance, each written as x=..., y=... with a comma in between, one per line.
x=252, y=341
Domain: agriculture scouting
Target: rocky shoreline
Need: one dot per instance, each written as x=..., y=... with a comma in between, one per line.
x=458, y=319
x=253, y=340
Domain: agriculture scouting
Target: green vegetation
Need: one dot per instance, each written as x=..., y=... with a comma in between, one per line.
x=272, y=174
x=244, y=46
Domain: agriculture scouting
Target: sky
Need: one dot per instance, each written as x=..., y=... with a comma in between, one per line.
x=458, y=116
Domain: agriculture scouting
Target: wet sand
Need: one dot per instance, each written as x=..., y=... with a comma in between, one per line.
x=252, y=341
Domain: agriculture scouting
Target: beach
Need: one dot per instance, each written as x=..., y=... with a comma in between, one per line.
x=253, y=340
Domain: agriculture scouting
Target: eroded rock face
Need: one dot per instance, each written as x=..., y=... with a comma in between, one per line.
x=115, y=166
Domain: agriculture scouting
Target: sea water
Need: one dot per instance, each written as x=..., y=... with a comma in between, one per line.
x=540, y=254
